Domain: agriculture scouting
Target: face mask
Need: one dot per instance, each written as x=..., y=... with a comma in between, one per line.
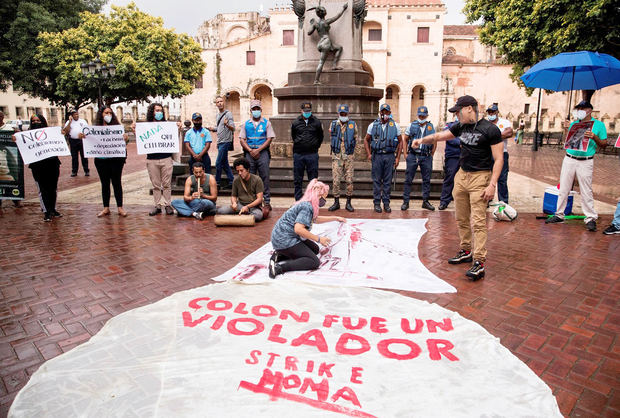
x=579, y=114
x=421, y=121
x=322, y=202
x=307, y=114
x=492, y=117
x=159, y=115
x=36, y=125
x=343, y=119
x=256, y=114
x=385, y=118
x=107, y=118
x=198, y=126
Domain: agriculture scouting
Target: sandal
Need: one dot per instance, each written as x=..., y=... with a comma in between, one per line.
x=121, y=212
x=104, y=212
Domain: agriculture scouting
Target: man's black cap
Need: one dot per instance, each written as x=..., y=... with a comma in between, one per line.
x=462, y=102
x=584, y=104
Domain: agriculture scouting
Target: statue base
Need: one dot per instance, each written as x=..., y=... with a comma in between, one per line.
x=337, y=87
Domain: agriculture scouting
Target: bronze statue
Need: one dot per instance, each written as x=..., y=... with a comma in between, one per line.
x=325, y=45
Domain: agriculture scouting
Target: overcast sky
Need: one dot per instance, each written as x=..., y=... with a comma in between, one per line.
x=187, y=15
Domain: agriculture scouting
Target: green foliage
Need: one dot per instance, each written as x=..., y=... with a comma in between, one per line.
x=150, y=60
x=528, y=31
x=22, y=21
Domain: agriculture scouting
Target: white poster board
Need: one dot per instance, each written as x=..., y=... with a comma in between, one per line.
x=157, y=137
x=104, y=141
x=380, y=253
x=287, y=350
x=39, y=144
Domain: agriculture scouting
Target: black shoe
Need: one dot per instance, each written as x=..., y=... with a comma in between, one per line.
x=169, y=210
x=73, y=174
x=443, y=206
x=348, y=206
x=591, y=226
x=404, y=206
x=335, y=206
x=476, y=271
x=387, y=208
x=554, y=220
x=378, y=208
x=275, y=268
x=462, y=256
x=611, y=229
x=87, y=173
x=155, y=211
x=427, y=205
x=56, y=214
x=47, y=217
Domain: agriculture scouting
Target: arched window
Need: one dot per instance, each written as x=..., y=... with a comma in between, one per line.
x=388, y=93
x=450, y=51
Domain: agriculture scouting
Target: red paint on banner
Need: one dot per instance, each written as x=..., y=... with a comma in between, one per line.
x=384, y=349
x=188, y=322
x=435, y=351
x=274, y=334
x=341, y=345
x=312, y=338
x=356, y=373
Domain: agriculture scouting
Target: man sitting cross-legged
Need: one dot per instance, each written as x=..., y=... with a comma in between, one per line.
x=199, y=196
x=247, y=192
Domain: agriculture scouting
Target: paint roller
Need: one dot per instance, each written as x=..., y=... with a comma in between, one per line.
x=233, y=220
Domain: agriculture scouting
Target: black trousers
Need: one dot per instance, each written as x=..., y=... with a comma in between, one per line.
x=77, y=149
x=301, y=256
x=110, y=170
x=46, y=175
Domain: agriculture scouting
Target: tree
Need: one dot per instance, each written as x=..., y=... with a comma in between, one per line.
x=528, y=31
x=22, y=21
x=150, y=60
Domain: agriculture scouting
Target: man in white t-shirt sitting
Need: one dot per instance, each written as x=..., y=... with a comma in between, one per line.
x=74, y=129
x=505, y=127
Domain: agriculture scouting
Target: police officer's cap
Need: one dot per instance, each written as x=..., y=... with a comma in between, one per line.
x=343, y=108
x=493, y=108
x=422, y=111
x=385, y=106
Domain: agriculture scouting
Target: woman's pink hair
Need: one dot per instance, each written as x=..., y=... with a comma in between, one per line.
x=314, y=191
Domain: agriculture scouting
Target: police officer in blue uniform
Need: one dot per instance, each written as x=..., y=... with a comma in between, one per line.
x=421, y=156
x=343, y=135
x=451, y=159
x=383, y=145
x=255, y=137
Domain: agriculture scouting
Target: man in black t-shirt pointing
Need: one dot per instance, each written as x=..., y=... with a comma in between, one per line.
x=482, y=158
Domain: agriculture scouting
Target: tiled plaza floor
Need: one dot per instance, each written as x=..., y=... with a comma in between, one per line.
x=551, y=294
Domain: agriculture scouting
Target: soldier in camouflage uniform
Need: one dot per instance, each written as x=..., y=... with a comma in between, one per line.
x=343, y=133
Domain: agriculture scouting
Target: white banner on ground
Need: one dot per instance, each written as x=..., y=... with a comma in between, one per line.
x=364, y=252
x=39, y=144
x=153, y=137
x=104, y=141
x=287, y=350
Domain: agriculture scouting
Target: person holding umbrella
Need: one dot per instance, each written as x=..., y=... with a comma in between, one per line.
x=580, y=164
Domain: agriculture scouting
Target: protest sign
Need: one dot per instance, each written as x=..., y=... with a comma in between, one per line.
x=351, y=259
x=104, y=141
x=39, y=144
x=287, y=350
x=575, y=139
x=11, y=168
x=156, y=137
x=618, y=142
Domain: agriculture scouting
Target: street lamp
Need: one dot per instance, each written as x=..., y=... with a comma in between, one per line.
x=99, y=72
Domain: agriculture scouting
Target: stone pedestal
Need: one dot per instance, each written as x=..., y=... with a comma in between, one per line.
x=351, y=85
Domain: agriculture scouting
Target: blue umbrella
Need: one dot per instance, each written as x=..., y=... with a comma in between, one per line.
x=582, y=70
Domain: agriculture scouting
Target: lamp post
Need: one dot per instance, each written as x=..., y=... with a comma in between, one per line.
x=99, y=72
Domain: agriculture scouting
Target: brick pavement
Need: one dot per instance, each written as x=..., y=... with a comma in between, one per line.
x=62, y=281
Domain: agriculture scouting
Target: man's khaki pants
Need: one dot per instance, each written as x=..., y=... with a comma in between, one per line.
x=471, y=210
x=582, y=169
x=160, y=173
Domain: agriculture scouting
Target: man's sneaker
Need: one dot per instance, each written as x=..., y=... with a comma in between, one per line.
x=463, y=256
x=56, y=214
x=554, y=220
x=591, y=226
x=197, y=215
x=378, y=208
x=404, y=206
x=387, y=208
x=427, y=205
x=443, y=206
x=73, y=174
x=47, y=217
x=476, y=271
x=155, y=211
x=611, y=229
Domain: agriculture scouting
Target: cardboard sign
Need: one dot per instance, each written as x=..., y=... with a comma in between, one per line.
x=104, y=141
x=157, y=137
x=575, y=139
x=287, y=350
x=39, y=144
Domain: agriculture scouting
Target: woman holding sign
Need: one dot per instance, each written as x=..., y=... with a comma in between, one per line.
x=46, y=173
x=295, y=247
x=110, y=169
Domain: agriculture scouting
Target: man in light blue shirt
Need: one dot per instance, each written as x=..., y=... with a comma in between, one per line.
x=197, y=142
